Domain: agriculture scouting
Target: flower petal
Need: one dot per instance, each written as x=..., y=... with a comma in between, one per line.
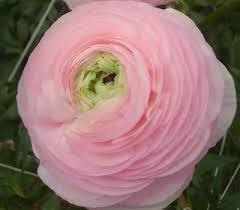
x=158, y=195
x=74, y=3
x=228, y=108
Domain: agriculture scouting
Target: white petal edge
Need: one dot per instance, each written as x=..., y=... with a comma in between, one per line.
x=228, y=109
x=74, y=3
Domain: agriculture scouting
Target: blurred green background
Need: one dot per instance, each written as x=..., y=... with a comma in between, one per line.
x=219, y=20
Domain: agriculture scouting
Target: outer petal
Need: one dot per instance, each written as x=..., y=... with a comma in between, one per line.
x=162, y=191
x=74, y=3
x=228, y=108
x=158, y=195
x=74, y=194
x=119, y=207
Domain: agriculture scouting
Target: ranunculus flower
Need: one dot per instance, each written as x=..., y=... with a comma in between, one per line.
x=121, y=101
x=73, y=3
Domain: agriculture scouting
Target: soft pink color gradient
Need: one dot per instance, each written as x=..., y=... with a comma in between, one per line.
x=137, y=153
x=74, y=3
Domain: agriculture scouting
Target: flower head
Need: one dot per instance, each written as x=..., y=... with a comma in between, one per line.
x=121, y=101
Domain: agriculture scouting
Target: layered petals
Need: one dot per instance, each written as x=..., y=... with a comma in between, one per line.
x=136, y=150
x=74, y=3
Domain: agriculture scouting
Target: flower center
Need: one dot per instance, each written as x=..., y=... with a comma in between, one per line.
x=100, y=79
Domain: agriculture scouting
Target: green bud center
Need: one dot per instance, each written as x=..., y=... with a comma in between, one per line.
x=100, y=79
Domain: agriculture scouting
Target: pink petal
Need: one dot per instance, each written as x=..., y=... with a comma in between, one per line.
x=228, y=108
x=74, y=3
x=158, y=195
x=74, y=194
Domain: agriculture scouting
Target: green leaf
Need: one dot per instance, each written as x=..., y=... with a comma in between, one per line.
x=8, y=130
x=23, y=146
x=234, y=70
x=234, y=52
x=5, y=192
x=53, y=14
x=199, y=200
x=14, y=182
x=211, y=161
x=36, y=193
x=202, y=2
x=75, y=208
x=52, y=203
x=231, y=202
x=22, y=30
x=12, y=112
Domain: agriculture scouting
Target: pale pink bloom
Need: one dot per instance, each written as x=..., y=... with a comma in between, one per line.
x=73, y=3
x=138, y=151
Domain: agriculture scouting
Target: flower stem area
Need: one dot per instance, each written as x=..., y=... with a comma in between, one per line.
x=20, y=187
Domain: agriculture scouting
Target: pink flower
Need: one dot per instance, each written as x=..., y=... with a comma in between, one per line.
x=73, y=3
x=121, y=101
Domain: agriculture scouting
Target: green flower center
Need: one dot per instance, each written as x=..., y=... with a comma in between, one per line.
x=99, y=80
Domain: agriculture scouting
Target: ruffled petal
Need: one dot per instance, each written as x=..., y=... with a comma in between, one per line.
x=228, y=108
x=178, y=102
x=74, y=3
x=73, y=193
x=158, y=195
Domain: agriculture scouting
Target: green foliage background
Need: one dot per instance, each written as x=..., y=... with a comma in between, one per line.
x=219, y=20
